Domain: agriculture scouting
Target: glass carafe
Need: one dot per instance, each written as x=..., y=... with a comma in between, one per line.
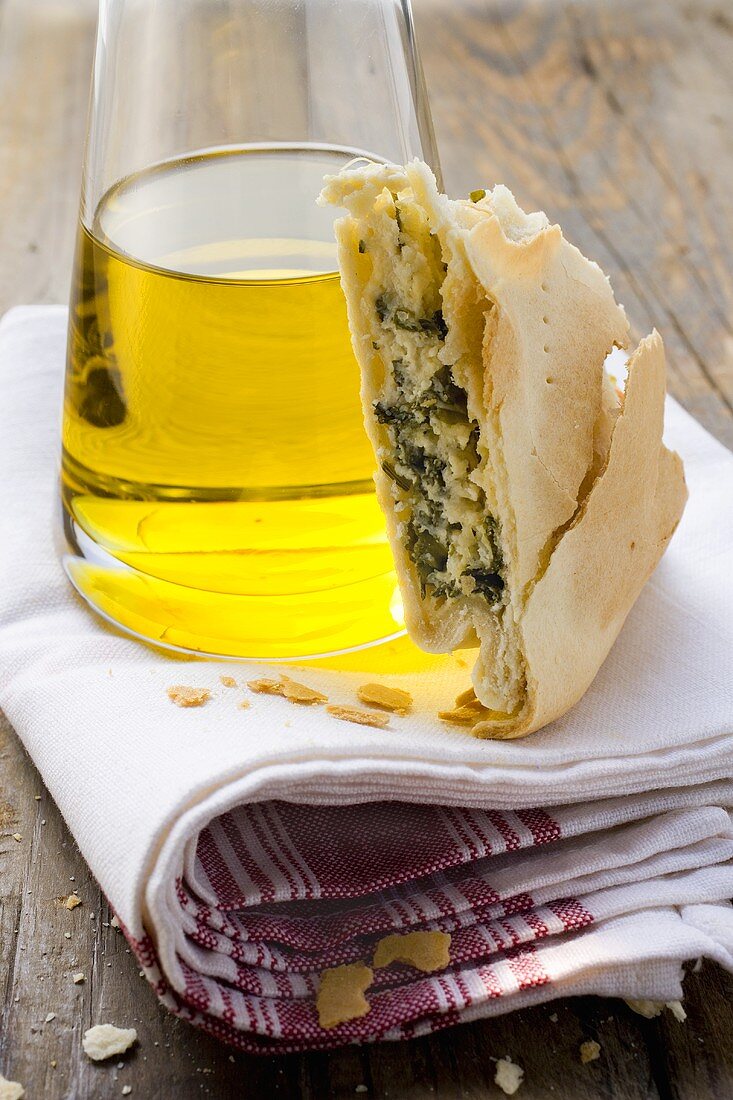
x=217, y=480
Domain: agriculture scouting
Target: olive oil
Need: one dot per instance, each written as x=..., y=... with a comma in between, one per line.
x=217, y=480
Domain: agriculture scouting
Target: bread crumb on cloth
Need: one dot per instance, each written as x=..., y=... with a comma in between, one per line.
x=289, y=689
x=467, y=710
x=340, y=995
x=10, y=1090
x=105, y=1040
x=184, y=696
x=265, y=687
x=228, y=681
x=590, y=1051
x=426, y=951
x=508, y=1076
x=388, y=698
x=460, y=716
x=300, y=693
x=360, y=717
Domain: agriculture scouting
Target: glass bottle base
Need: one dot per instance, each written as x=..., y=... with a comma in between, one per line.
x=241, y=626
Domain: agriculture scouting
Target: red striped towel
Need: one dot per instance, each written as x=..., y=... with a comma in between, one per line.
x=275, y=893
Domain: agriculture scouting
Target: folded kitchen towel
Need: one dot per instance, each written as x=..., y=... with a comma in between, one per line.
x=245, y=851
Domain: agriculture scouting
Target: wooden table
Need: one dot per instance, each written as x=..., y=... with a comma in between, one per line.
x=616, y=118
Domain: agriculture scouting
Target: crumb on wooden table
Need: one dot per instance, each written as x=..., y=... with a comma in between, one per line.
x=10, y=1090
x=106, y=1040
x=185, y=696
x=341, y=992
x=508, y=1076
x=72, y=901
x=590, y=1051
x=360, y=717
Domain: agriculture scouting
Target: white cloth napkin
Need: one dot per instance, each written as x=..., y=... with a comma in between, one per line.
x=137, y=778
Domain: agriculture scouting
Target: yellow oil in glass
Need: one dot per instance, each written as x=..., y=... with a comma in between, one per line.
x=217, y=480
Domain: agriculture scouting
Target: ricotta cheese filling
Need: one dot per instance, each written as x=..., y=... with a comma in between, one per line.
x=433, y=456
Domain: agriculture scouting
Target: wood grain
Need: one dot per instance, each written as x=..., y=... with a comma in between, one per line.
x=615, y=117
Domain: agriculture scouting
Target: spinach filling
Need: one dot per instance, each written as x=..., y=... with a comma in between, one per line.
x=387, y=311
x=435, y=450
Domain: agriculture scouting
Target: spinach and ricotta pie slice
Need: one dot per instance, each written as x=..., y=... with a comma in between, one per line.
x=526, y=500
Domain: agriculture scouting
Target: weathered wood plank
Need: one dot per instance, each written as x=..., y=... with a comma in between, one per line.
x=527, y=94
x=616, y=118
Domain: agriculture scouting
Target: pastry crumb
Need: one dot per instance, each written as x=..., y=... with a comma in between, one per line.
x=245, y=704
x=17, y=837
x=300, y=693
x=553, y=1018
x=388, y=698
x=590, y=1051
x=508, y=1076
x=650, y=1009
x=460, y=716
x=114, y=923
x=49, y=1016
x=105, y=1040
x=77, y=978
x=468, y=700
x=360, y=717
x=228, y=681
x=126, y=1090
x=289, y=689
x=10, y=1090
x=265, y=687
x=184, y=696
x=72, y=901
x=340, y=995
x=426, y=951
